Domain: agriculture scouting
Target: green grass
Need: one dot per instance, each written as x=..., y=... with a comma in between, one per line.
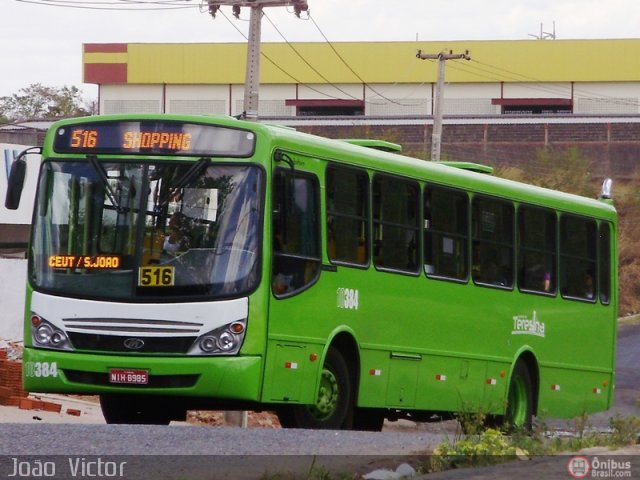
x=488, y=446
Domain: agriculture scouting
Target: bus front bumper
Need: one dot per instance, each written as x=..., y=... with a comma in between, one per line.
x=51, y=371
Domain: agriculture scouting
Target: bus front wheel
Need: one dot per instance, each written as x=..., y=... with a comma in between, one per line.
x=334, y=404
x=519, y=413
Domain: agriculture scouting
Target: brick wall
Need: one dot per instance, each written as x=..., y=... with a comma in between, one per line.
x=612, y=148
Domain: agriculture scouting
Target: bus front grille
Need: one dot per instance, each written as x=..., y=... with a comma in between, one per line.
x=131, y=326
x=122, y=344
x=155, y=381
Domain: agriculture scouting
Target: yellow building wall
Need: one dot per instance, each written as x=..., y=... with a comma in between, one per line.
x=383, y=62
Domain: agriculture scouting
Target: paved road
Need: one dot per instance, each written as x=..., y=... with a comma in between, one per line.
x=252, y=453
x=627, y=393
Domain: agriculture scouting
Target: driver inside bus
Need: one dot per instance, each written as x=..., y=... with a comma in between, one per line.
x=178, y=238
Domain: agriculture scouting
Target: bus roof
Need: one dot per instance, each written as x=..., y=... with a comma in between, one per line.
x=473, y=167
x=375, y=144
x=466, y=176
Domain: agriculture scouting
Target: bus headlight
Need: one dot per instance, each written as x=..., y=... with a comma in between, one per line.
x=225, y=340
x=208, y=343
x=45, y=334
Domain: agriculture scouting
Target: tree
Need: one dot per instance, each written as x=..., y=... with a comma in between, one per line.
x=37, y=102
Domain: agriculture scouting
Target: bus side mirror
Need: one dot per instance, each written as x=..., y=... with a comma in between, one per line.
x=15, y=184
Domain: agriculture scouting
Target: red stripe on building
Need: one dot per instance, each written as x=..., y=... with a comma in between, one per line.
x=515, y=102
x=333, y=102
x=105, y=73
x=105, y=47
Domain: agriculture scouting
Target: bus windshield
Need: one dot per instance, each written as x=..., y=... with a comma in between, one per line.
x=122, y=230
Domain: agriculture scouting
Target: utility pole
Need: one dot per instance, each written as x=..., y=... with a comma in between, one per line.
x=545, y=35
x=252, y=85
x=252, y=75
x=442, y=57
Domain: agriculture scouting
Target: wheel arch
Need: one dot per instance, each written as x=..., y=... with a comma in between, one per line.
x=529, y=359
x=344, y=341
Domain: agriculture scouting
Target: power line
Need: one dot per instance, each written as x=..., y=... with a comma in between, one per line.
x=116, y=5
x=613, y=100
x=329, y=82
x=539, y=85
x=491, y=73
x=305, y=60
x=275, y=64
x=349, y=66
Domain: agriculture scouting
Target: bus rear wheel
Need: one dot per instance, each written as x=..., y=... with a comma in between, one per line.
x=334, y=404
x=134, y=409
x=519, y=413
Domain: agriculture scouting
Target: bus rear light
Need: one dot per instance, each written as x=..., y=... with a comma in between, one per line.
x=35, y=320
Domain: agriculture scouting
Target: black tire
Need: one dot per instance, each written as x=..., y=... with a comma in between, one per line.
x=334, y=406
x=134, y=409
x=368, y=419
x=285, y=416
x=519, y=414
x=494, y=421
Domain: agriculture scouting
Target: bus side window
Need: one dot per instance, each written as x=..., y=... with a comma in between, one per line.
x=347, y=215
x=578, y=239
x=604, y=262
x=296, y=243
x=493, y=243
x=446, y=232
x=395, y=223
x=537, y=238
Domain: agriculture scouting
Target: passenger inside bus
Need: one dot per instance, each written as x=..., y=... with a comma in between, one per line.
x=588, y=286
x=178, y=238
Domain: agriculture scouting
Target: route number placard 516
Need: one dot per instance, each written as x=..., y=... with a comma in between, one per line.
x=155, y=276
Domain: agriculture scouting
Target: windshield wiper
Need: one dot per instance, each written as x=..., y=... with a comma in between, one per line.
x=193, y=172
x=97, y=167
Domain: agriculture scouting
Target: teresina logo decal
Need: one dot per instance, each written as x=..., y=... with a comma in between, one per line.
x=522, y=325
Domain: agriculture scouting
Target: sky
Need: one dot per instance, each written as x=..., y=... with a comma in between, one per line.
x=42, y=43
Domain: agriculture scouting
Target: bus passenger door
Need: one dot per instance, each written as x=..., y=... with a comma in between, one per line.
x=294, y=318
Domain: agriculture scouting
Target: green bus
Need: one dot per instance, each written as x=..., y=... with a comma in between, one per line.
x=196, y=262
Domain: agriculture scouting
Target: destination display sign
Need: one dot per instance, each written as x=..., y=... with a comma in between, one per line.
x=154, y=137
x=95, y=262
